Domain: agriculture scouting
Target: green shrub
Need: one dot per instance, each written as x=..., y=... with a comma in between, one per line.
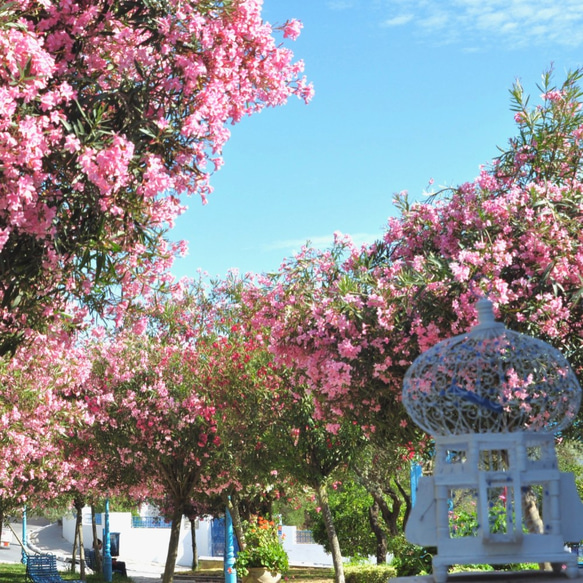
x=369, y=573
x=410, y=559
x=505, y=567
x=470, y=568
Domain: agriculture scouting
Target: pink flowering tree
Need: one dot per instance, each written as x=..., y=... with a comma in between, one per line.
x=109, y=113
x=182, y=395
x=155, y=433
x=320, y=327
x=39, y=411
x=251, y=396
x=314, y=453
x=351, y=321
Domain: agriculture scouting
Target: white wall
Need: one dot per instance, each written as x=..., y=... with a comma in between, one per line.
x=137, y=543
x=303, y=554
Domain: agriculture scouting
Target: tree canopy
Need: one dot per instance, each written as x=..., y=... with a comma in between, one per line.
x=321, y=347
x=351, y=320
x=109, y=112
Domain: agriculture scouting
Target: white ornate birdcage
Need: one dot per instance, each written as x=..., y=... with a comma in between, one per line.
x=493, y=399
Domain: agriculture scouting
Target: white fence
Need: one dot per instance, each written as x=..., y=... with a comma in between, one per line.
x=137, y=543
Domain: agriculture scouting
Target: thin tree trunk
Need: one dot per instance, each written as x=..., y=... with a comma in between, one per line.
x=194, y=547
x=2, y=524
x=78, y=520
x=322, y=494
x=407, y=499
x=233, y=506
x=380, y=534
x=389, y=514
x=95, y=544
x=82, y=570
x=168, y=576
x=79, y=537
x=532, y=518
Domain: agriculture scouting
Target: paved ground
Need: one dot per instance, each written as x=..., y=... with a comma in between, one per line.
x=49, y=539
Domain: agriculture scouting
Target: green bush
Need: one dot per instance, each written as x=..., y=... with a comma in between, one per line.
x=410, y=559
x=349, y=504
x=470, y=568
x=369, y=573
x=505, y=567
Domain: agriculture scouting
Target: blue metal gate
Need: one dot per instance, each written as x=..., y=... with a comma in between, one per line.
x=218, y=538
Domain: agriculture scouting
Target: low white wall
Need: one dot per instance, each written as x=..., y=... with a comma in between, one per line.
x=137, y=543
x=303, y=554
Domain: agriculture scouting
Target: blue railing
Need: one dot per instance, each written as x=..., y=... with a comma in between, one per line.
x=150, y=522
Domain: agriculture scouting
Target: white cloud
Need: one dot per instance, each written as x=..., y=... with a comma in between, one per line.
x=340, y=4
x=320, y=242
x=515, y=23
x=398, y=20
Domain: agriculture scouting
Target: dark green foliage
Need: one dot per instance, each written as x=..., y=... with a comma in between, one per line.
x=349, y=504
x=370, y=573
x=570, y=456
x=480, y=568
x=410, y=559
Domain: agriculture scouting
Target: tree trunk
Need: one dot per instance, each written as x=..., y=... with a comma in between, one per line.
x=233, y=506
x=2, y=525
x=380, y=534
x=78, y=520
x=322, y=494
x=79, y=537
x=390, y=515
x=194, y=547
x=95, y=544
x=532, y=518
x=407, y=500
x=168, y=576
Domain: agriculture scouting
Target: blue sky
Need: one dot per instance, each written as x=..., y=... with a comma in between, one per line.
x=406, y=91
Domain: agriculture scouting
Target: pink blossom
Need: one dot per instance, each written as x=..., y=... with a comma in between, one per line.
x=72, y=144
x=292, y=29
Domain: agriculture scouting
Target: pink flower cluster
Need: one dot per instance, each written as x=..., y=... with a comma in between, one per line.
x=350, y=321
x=108, y=115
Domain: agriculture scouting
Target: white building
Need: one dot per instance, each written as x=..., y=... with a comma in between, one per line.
x=149, y=536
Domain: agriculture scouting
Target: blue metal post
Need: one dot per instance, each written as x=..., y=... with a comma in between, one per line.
x=230, y=573
x=107, y=566
x=24, y=541
x=416, y=471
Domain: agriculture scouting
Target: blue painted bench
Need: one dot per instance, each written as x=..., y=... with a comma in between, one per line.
x=90, y=559
x=42, y=569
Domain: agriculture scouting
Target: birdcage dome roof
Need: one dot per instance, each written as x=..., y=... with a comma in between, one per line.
x=491, y=379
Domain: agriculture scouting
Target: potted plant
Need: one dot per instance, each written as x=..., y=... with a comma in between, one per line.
x=263, y=559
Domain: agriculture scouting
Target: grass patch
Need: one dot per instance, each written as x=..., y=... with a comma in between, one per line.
x=310, y=574
x=10, y=572
x=16, y=573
